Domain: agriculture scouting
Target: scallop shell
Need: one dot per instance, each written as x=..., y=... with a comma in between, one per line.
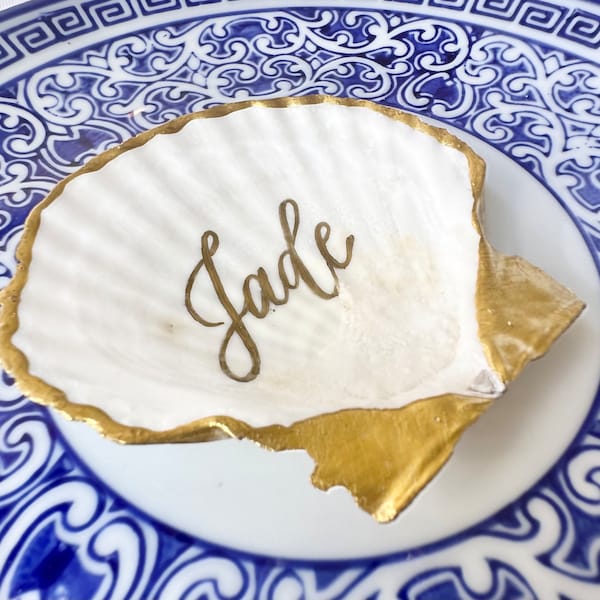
x=268, y=263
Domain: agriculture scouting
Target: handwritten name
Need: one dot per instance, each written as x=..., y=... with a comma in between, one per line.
x=290, y=275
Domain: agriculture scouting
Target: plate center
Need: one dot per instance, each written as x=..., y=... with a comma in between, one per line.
x=237, y=495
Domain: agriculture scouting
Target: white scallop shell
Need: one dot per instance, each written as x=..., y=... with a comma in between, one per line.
x=103, y=315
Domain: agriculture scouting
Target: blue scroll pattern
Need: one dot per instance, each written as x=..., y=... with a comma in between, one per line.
x=63, y=534
x=66, y=21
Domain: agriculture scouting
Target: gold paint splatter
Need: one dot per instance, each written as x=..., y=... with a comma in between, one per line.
x=383, y=457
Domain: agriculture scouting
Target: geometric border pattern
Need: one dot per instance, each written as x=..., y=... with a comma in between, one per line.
x=60, y=22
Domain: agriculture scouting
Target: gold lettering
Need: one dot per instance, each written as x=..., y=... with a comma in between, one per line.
x=290, y=239
x=263, y=311
x=290, y=275
x=322, y=233
x=209, y=245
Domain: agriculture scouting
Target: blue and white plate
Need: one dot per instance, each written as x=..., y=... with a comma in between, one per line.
x=516, y=512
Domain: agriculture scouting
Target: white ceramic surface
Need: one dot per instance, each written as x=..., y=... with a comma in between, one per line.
x=497, y=459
